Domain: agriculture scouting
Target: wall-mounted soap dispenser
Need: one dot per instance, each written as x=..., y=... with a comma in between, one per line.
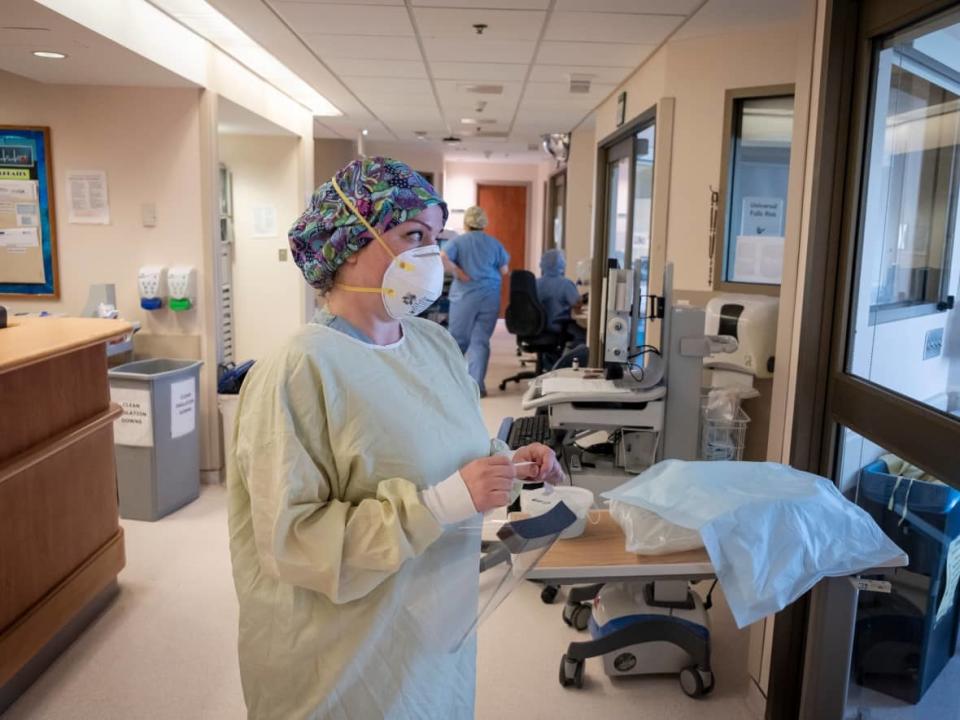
x=182, y=287
x=152, y=283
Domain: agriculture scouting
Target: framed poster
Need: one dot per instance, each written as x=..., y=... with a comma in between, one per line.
x=28, y=239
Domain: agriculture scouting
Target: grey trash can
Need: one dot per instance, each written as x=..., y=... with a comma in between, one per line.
x=157, y=440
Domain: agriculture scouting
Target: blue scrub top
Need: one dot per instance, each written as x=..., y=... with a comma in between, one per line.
x=558, y=295
x=480, y=256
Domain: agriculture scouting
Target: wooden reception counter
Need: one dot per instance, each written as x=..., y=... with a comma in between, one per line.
x=61, y=545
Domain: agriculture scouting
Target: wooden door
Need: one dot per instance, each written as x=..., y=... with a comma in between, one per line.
x=506, y=208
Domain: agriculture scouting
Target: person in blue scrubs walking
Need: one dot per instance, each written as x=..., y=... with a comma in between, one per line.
x=478, y=262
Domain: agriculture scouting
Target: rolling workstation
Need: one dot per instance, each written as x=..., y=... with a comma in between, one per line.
x=646, y=401
x=643, y=615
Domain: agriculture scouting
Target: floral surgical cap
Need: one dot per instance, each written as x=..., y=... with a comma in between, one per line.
x=386, y=192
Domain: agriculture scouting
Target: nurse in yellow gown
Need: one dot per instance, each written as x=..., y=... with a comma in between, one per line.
x=361, y=463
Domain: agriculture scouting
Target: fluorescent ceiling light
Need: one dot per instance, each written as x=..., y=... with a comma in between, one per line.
x=211, y=25
x=49, y=54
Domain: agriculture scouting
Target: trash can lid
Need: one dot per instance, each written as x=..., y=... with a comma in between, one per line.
x=153, y=369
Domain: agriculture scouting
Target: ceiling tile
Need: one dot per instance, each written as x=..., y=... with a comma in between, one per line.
x=409, y=114
x=501, y=24
x=562, y=73
x=602, y=54
x=501, y=4
x=337, y=19
x=477, y=49
x=461, y=89
x=403, y=87
x=611, y=27
x=361, y=47
x=558, y=92
x=656, y=7
x=357, y=67
x=479, y=72
x=340, y=2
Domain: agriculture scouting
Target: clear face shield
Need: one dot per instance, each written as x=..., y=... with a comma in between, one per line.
x=475, y=586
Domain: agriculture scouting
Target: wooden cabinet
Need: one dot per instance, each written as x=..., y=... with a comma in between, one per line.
x=61, y=545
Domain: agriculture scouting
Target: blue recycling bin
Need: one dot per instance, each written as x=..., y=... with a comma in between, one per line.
x=900, y=645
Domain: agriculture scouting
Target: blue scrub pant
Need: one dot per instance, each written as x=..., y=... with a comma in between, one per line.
x=473, y=318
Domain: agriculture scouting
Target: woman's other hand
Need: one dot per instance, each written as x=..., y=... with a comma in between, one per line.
x=462, y=276
x=489, y=480
x=547, y=466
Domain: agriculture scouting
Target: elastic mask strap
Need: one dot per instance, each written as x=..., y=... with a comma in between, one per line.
x=379, y=291
x=353, y=208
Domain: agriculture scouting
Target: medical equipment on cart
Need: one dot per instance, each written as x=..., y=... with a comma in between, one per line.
x=642, y=628
x=649, y=411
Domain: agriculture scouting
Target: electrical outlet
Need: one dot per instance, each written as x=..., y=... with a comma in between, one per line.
x=933, y=343
x=282, y=254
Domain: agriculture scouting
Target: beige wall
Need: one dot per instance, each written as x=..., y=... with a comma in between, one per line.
x=415, y=154
x=268, y=292
x=329, y=156
x=147, y=141
x=697, y=72
x=581, y=181
x=460, y=191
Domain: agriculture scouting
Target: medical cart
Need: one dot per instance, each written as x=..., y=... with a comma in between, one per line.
x=634, y=629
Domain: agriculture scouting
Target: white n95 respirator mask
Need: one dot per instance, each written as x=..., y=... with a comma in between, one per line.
x=412, y=282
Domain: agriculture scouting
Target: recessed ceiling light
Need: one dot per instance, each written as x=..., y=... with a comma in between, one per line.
x=49, y=54
x=364, y=132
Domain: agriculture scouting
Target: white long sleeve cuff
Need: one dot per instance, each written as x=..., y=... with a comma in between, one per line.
x=449, y=500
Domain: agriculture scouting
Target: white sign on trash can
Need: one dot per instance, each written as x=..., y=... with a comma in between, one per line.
x=183, y=407
x=135, y=426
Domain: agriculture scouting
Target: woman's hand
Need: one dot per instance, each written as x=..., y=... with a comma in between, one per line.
x=547, y=468
x=462, y=276
x=489, y=480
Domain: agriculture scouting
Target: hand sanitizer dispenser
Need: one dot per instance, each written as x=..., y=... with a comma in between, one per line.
x=182, y=287
x=152, y=282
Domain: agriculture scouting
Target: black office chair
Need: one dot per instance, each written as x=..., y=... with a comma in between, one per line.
x=527, y=319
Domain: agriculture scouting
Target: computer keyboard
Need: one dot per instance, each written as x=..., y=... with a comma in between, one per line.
x=526, y=430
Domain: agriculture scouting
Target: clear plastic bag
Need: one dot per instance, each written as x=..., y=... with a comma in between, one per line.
x=649, y=534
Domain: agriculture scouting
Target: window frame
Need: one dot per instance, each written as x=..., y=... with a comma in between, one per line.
x=733, y=99
x=556, y=179
x=880, y=313
x=607, y=149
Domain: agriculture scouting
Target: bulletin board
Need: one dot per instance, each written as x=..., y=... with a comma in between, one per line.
x=28, y=241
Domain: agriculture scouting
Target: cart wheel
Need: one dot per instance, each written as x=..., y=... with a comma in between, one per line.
x=709, y=681
x=581, y=617
x=549, y=594
x=571, y=672
x=691, y=682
